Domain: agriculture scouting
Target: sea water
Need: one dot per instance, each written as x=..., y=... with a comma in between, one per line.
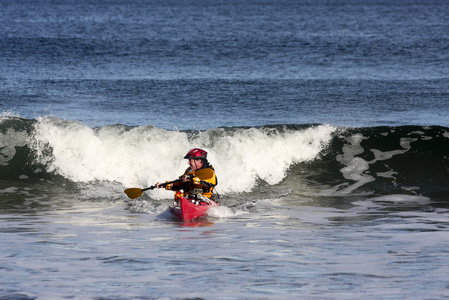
x=326, y=121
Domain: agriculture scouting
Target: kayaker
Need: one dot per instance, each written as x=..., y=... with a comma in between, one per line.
x=199, y=179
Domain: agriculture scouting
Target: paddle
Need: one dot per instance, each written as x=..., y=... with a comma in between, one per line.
x=134, y=193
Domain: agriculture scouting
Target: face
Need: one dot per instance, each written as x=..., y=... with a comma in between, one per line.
x=195, y=164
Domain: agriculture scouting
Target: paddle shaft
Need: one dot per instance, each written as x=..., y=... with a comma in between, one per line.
x=134, y=193
x=161, y=185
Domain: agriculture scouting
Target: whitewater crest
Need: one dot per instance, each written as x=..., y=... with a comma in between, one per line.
x=143, y=155
x=317, y=160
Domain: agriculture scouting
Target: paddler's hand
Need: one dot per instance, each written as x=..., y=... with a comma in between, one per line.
x=158, y=185
x=187, y=177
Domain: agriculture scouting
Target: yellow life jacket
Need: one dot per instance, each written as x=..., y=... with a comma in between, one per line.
x=202, y=182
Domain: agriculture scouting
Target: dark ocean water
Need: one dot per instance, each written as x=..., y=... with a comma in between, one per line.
x=327, y=123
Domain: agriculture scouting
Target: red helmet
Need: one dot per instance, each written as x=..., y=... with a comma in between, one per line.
x=196, y=153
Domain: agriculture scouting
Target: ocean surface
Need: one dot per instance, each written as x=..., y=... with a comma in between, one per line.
x=327, y=123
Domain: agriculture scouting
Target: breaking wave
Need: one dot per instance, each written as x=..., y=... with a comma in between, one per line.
x=334, y=161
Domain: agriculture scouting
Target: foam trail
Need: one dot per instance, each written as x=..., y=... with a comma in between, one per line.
x=8, y=143
x=356, y=168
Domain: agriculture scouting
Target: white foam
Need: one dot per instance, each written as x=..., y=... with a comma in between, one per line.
x=9, y=190
x=394, y=199
x=145, y=155
x=223, y=212
x=354, y=170
x=7, y=114
x=388, y=174
x=252, y=154
x=446, y=134
x=8, y=143
x=132, y=157
x=400, y=198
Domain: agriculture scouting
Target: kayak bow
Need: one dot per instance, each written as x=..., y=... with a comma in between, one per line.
x=186, y=210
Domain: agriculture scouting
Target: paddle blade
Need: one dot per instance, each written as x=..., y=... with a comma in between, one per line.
x=134, y=193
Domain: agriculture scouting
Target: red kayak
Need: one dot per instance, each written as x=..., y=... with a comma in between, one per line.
x=189, y=209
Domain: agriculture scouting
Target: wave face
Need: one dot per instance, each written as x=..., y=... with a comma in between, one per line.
x=409, y=160
x=301, y=160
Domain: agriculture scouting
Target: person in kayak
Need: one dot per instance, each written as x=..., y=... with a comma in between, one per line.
x=199, y=179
